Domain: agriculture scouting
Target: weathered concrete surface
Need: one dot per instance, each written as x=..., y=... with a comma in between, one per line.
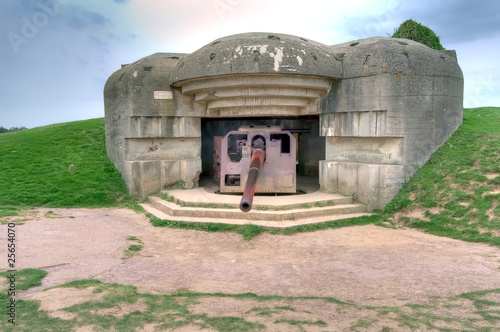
x=382, y=106
x=254, y=95
x=258, y=74
x=150, y=141
x=259, y=53
x=397, y=102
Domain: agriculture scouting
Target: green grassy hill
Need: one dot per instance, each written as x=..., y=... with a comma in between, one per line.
x=455, y=194
x=62, y=165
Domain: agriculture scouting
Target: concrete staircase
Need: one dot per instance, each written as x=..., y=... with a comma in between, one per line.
x=198, y=205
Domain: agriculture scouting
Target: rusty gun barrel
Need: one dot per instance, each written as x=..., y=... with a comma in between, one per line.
x=258, y=157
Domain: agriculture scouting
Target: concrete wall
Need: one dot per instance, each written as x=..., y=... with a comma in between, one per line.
x=148, y=137
x=397, y=102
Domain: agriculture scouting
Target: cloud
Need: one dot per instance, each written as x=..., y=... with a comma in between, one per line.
x=457, y=20
x=380, y=22
x=58, y=72
x=186, y=26
x=79, y=18
x=452, y=20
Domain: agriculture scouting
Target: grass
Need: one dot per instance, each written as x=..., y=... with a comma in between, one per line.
x=62, y=165
x=249, y=231
x=8, y=211
x=252, y=296
x=133, y=249
x=26, y=278
x=114, y=307
x=457, y=192
x=361, y=323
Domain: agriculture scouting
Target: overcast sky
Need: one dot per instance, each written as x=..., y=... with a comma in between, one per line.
x=56, y=55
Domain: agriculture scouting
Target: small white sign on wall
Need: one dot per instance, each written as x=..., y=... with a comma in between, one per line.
x=163, y=95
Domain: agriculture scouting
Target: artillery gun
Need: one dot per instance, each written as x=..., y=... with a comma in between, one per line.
x=255, y=160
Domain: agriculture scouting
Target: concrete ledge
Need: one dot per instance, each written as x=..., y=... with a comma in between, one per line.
x=154, y=210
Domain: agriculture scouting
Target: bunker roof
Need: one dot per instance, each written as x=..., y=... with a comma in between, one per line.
x=259, y=53
x=386, y=55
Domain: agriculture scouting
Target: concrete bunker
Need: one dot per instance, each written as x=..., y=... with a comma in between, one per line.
x=365, y=115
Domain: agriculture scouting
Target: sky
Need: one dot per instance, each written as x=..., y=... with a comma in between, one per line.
x=56, y=55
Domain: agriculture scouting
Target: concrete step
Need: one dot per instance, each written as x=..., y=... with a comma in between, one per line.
x=290, y=216
x=267, y=223
x=200, y=197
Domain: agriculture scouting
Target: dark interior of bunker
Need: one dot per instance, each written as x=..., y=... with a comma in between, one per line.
x=310, y=146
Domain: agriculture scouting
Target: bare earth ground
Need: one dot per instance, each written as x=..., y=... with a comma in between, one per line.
x=366, y=265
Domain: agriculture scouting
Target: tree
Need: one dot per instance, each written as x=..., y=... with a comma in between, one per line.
x=415, y=31
x=5, y=130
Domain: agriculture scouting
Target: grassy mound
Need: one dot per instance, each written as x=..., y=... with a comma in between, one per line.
x=456, y=193
x=62, y=165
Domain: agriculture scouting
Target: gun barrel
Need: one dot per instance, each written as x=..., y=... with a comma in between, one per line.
x=258, y=157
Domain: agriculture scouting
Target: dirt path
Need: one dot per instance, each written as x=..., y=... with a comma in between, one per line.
x=360, y=264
